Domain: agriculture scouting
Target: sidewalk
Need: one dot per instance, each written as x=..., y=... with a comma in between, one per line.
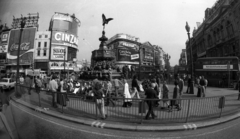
x=83, y=112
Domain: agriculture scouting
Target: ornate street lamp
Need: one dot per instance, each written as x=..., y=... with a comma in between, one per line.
x=189, y=44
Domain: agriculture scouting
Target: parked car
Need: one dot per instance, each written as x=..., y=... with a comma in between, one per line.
x=7, y=83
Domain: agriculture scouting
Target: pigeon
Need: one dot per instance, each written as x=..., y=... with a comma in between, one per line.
x=106, y=20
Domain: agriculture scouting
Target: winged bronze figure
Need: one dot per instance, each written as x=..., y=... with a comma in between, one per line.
x=105, y=20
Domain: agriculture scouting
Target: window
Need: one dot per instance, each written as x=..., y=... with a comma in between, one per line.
x=46, y=36
x=45, y=44
x=40, y=36
x=44, y=52
x=39, y=44
x=38, y=53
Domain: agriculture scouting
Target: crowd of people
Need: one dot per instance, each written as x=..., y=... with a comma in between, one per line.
x=105, y=93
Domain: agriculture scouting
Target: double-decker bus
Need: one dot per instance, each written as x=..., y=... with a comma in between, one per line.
x=219, y=71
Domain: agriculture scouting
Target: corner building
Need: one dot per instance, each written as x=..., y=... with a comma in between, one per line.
x=219, y=34
x=64, y=42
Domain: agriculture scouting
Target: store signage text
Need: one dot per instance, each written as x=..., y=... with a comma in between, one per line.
x=60, y=36
x=135, y=56
x=124, y=52
x=4, y=37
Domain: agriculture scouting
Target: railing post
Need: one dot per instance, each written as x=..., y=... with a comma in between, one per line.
x=62, y=102
x=142, y=111
x=96, y=108
x=189, y=101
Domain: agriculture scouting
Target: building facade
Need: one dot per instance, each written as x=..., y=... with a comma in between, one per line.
x=64, y=42
x=219, y=34
x=42, y=49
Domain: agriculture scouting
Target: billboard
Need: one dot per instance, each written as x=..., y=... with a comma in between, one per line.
x=127, y=51
x=3, y=48
x=148, y=56
x=65, y=23
x=57, y=53
x=4, y=37
x=66, y=39
x=26, y=46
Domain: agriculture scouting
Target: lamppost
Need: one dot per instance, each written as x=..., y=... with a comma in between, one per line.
x=139, y=65
x=64, y=64
x=189, y=44
x=22, y=25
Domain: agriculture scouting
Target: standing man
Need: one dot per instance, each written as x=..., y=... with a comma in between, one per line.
x=150, y=94
x=116, y=86
x=53, y=86
x=28, y=84
x=189, y=84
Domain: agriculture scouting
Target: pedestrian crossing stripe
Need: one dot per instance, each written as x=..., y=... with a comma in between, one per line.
x=102, y=125
x=98, y=124
x=190, y=126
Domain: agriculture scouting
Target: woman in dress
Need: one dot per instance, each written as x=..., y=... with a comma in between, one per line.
x=126, y=94
x=165, y=94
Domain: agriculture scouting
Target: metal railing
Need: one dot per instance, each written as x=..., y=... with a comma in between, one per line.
x=195, y=109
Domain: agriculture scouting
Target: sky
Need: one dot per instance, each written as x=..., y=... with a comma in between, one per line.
x=160, y=22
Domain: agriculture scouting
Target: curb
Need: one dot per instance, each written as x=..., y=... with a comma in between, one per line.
x=119, y=126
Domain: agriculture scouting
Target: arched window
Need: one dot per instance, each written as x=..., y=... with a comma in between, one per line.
x=214, y=36
x=218, y=34
x=209, y=41
x=229, y=29
x=221, y=32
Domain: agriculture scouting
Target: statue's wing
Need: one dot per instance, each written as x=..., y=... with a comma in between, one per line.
x=103, y=17
x=109, y=19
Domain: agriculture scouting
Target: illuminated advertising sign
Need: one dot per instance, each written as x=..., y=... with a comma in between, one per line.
x=62, y=38
x=226, y=67
x=3, y=48
x=128, y=55
x=4, y=37
x=65, y=23
x=58, y=16
x=26, y=46
x=60, y=65
x=148, y=56
x=124, y=36
x=57, y=53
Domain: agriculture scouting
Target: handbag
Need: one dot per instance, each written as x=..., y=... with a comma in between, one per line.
x=141, y=87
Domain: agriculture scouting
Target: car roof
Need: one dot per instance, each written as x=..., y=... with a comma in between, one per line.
x=6, y=78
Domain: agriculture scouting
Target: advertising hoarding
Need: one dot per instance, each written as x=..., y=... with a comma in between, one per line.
x=57, y=53
x=218, y=67
x=3, y=48
x=66, y=39
x=128, y=52
x=65, y=23
x=148, y=56
x=60, y=65
x=4, y=37
x=26, y=46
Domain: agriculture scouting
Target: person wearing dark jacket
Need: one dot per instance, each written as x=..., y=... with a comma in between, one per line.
x=135, y=87
x=98, y=94
x=150, y=94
